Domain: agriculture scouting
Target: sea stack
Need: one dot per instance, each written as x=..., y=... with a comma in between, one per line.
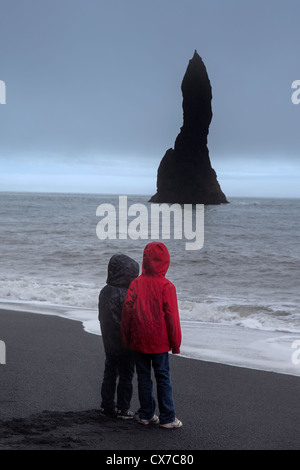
x=185, y=174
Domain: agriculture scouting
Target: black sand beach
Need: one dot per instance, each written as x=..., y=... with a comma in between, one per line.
x=50, y=397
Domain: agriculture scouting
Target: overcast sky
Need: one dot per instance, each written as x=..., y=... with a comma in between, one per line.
x=93, y=96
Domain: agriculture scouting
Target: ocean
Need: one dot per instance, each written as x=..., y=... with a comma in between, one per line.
x=238, y=295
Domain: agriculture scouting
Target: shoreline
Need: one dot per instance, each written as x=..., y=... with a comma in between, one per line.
x=265, y=350
x=50, y=397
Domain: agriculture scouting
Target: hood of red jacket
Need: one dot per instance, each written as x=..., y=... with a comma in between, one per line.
x=156, y=259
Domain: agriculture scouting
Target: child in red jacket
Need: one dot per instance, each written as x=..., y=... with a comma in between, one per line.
x=150, y=326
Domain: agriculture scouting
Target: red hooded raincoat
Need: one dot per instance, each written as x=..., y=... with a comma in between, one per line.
x=150, y=318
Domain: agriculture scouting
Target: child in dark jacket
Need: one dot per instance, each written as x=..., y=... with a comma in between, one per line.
x=119, y=362
x=150, y=326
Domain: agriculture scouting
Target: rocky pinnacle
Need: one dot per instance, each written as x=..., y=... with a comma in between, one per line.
x=185, y=174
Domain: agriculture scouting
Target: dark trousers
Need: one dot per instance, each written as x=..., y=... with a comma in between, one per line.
x=160, y=364
x=117, y=366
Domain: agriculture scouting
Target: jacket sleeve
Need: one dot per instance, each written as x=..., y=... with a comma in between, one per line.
x=126, y=316
x=116, y=305
x=172, y=320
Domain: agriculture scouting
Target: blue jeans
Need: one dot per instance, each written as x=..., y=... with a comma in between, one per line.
x=160, y=364
x=122, y=366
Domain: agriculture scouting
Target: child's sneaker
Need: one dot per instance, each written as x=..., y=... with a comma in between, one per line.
x=153, y=420
x=107, y=412
x=125, y=414
x=174, y=425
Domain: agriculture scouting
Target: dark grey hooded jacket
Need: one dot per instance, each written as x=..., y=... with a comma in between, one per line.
x=121, y=271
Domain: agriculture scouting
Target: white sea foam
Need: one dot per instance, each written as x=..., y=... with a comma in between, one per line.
x=259, y=317
x=227, y=344
x=85, y=296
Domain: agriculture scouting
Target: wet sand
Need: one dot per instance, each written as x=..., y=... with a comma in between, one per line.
x=50, y=397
